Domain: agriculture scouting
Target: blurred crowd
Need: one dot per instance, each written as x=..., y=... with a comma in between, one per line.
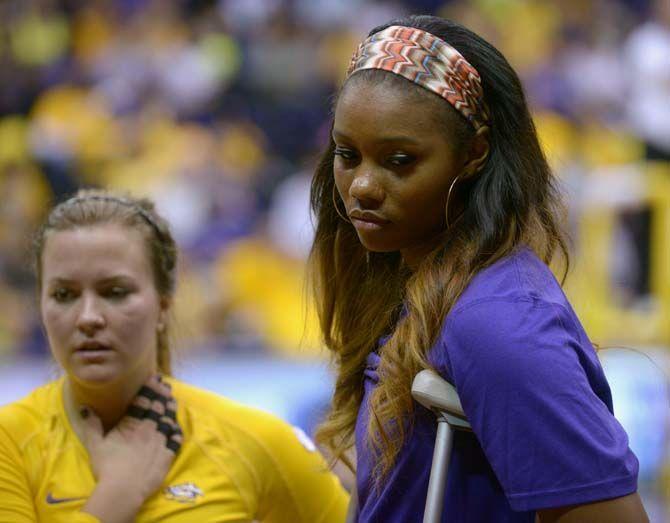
x=217, y=110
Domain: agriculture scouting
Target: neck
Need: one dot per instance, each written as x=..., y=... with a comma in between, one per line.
x=414, y=256
x=109, y=401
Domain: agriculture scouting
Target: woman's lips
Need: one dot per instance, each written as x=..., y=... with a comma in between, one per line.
x=367, y=220
x=367, y=225
x=92, y=346
x=92, y=351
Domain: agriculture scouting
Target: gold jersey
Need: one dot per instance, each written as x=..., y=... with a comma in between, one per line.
x=236, y=464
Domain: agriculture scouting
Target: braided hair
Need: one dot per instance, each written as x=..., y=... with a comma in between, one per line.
x=89, y=207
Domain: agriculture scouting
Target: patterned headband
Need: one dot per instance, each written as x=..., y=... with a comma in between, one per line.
x=429, y=62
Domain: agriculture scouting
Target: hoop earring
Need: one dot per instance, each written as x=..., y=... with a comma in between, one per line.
x=337, y=210
x=451, y=187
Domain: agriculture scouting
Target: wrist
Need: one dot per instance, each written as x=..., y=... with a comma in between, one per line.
x=114, y=501
x=122, y=489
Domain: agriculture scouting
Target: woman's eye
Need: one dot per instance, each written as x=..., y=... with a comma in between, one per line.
x=62, y=295
x=401, y=159
x=346, y=154
x=116, y=293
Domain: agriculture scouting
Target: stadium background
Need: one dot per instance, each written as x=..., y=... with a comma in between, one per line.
x=217, y=109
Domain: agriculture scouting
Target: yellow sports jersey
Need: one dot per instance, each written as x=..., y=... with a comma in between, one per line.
x=236, y=464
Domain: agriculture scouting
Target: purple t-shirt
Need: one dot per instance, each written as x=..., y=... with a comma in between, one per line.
x=535, y=394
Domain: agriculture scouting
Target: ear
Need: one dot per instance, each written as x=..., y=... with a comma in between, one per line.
x=477, y=154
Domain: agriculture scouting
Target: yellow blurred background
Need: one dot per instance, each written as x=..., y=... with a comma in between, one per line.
x=217, y=110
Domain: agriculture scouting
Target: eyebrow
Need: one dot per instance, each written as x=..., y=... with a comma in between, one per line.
x=59, y=280
x=383, y=139
x=105, y=281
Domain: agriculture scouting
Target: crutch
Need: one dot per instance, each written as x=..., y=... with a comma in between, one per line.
x=440, y=396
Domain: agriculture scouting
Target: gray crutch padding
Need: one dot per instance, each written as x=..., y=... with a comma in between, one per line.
x=440, y=396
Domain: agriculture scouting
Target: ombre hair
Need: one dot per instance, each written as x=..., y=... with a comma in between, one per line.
x=362, y=296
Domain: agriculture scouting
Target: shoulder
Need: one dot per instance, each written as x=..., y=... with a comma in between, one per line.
x=520, y=275
x=235, y=423
x=200, y=400
x=514, y=338
x=514, y=314
x=217, y=408
x=516, y=296
x=23, y=418
x=277, y=459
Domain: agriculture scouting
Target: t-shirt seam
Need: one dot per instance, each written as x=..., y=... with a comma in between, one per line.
x=527, y=296
x=27, y=438
x=40, y=426
x=209, y=423
x=515, y=261
x=325, y=513
x=271, y=458
x=572, y=489
x=538, y=302
x=240, y=491
x=19, y=451
x=525, y=282
x=280, y=474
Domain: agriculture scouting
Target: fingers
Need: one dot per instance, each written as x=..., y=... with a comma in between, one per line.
x=172, y=432
x=171, y=410
x=165, y=424
x=154, y=402
x=165, y=427
x=156, y=390
x=175, y=441
x=155, y=413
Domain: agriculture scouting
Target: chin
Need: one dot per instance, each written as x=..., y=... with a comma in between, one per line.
x=375, y=245
x=379, y=248
x=95, y=374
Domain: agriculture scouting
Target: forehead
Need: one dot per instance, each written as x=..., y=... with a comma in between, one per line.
x=386, y=104
x=95, y=250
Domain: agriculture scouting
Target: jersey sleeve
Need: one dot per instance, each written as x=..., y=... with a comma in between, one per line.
x=17, y=499
x=17, y=504
x=297, y=483
x=527, y=375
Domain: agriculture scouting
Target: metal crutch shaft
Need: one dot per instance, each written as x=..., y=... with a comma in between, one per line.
x=433, y=392
x=439, y=471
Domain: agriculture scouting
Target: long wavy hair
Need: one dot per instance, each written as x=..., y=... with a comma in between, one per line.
x=359, y=295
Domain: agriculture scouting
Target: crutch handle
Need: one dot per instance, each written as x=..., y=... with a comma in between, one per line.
x=435, y=393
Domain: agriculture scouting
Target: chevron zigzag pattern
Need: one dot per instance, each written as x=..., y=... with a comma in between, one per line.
x=427, y=61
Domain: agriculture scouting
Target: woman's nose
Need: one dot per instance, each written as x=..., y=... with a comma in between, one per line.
x=366, y=189
x=91, y=317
